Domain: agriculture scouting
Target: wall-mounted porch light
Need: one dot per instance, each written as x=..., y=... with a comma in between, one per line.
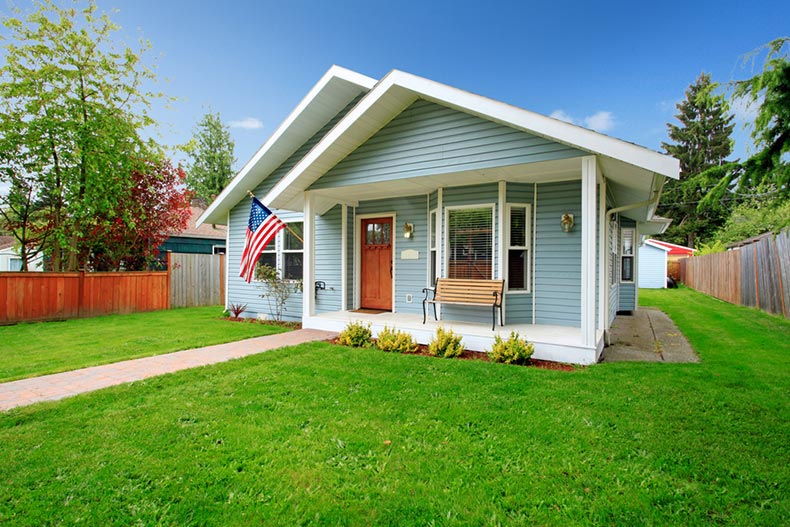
x=408, y=230
x=566, y=223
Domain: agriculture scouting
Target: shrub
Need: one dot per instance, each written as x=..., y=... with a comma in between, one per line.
x=514, y=350
x=237, y=309
x=356, y=335
x=445, y=344
x=390, y=339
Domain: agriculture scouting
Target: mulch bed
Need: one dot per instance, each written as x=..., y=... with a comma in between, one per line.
x=483, y=356
x=281, y=323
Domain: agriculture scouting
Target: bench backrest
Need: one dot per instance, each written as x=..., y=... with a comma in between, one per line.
x=466, y=291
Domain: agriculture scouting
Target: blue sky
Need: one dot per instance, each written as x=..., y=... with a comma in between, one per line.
x=619, y=67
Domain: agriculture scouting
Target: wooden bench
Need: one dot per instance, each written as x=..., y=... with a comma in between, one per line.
x=465, y=292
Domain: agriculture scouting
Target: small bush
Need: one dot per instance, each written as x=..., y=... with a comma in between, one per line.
x=514, y=350
x=237, y=309
x=445, y=344
x=390, y=339
x=356, y=334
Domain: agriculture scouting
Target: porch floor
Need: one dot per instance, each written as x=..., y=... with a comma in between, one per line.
x=557, y=343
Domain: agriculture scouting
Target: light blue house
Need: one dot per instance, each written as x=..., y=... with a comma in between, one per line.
x=652, y=265
x=396, y=181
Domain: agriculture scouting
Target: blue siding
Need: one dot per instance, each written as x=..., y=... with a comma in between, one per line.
x=652, y=267
x=558, y=255
x=428, y=139
x=328, y=251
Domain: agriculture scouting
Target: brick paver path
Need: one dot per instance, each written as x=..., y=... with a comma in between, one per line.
x=66, y=384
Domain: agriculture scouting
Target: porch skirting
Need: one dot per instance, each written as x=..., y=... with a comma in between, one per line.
x=554, y=343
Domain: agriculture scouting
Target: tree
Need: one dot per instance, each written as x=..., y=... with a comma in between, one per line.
x=153, y=208
x=766, y=174
x=701, y=141
x=211, y=152
x=72, y=108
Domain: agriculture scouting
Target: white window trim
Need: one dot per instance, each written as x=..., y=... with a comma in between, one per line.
x=613, y=259
x=433, y=246
x=623, y=255
x=283, y=251
x=527, y=247
x=446, y=249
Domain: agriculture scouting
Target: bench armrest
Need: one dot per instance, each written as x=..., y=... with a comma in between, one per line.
x=427, y=290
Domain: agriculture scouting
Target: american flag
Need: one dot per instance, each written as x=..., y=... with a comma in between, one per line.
x=261, y=229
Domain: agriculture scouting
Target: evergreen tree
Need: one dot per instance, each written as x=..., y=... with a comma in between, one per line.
x=701, y=141
x=211, y=152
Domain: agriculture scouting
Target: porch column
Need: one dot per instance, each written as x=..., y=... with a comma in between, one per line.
x=603, y=269
x=344, y=257
x=308, y=274
x=589, y=170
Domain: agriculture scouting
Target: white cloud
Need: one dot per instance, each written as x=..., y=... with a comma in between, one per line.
x=562, y=116
x=600, y=121
x=248, y=123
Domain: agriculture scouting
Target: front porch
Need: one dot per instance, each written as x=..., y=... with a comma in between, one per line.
x=554, y=343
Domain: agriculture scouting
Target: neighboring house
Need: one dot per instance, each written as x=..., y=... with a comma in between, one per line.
x=652, y=265
x=483, y=186
x=203, y=239
x=10, y=259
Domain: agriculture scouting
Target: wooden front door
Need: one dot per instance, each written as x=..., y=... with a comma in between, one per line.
x=376, y=271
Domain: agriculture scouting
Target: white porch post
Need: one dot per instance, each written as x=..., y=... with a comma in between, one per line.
x=602, y=268
x=308, y=300
x=589, y=170
x=344, y=258
x=501, y=244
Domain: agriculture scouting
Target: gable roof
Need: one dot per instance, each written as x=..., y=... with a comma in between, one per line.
x=673, y=247
x=333, y=92
x=635, y=173
x=652, y=243
x=204, y=230
x=398, y=89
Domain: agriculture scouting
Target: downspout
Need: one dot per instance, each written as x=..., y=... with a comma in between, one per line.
x=611, y=212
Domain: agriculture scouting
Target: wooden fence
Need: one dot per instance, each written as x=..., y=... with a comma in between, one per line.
x=191, y=280
x=60, y=296
x=196, y=279
x=757, y=274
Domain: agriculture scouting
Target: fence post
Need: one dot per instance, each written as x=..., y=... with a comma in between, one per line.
x=779, y=276
x=80, y=292
x=222, y=279
x=169, y=264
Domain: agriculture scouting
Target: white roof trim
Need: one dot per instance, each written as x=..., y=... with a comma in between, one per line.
x=673, y=245
x=239, y=184
x=554, y=129
x=651, y=243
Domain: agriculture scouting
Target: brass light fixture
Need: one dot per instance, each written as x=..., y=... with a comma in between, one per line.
x=408, y=230
x=566, y=223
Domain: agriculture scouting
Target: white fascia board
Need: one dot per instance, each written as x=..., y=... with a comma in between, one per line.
x=651, y=243
x=286, y=190
x=239, y=185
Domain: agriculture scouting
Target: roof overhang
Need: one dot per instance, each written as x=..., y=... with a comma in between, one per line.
x=336, y=89
x=656, y=225
x=636, y=173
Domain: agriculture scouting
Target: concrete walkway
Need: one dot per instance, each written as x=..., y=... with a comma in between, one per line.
x=66, y=384
x=648, y=335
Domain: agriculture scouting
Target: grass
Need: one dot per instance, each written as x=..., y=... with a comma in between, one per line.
x=30, y=350
x=327, y=435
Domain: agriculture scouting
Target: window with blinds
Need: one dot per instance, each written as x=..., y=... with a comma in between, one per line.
x=518, y=247
x=613, y=243
x=627, y=255
x=470, y=243
x=293, y=251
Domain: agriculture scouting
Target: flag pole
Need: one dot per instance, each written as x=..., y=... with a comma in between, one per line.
x=286, y=225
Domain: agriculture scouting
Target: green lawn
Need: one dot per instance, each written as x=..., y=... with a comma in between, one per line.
x=325, y=435
x=29, y=350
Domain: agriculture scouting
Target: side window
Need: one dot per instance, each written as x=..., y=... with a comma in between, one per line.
x=614, y=242
x=627, y=255
x=434, y=236
x=293, y=252
x=518, y=249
